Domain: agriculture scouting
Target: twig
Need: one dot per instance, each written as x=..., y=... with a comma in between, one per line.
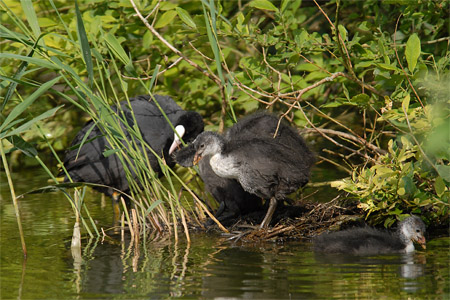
x=340, y=40
x=400, y=63
x=348, y=136
x=175, y=50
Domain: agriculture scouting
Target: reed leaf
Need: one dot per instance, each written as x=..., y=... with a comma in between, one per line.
x=37, y=61
x=27, y=125
x=30, y=13
x=21, y=107
x=22, y=145
x=84, y=43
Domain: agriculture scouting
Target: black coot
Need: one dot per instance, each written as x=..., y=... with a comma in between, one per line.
x=233, y=200
x=370, y=241
x=263, y=166
x=90, y=165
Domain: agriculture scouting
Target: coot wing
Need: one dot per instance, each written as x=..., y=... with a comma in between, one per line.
x=265, y=125
x=267, y=168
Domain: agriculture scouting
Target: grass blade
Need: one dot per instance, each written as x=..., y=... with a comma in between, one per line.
x=84, y=43
x=19, y=109
x=37, y=61
x=116, y=48
x=22, y=145
x=23, y=66
x=28, y=9
x=212, y=36
x=30, y=123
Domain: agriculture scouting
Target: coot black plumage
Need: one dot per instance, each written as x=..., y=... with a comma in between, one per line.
x=370, y=241
x=88, y=164
x=233, y=199
x=262, y=166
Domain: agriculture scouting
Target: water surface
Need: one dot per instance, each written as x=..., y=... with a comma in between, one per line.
x=210, y=268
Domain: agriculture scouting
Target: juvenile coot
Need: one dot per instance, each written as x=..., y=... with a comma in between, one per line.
x=370, y=241
x=90, y=165
x=262, y=166
x=233, y=200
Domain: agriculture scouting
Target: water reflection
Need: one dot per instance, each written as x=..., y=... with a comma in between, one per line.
x=208, y=268
x=408, y=266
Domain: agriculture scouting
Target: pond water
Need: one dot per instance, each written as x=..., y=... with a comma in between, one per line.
x=209, y=268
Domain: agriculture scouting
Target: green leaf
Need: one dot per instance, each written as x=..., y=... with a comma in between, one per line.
x=387, y=67
x=152, y=207
x=284, y=4
x=343, y=32
x=20, y=108
x=405, y=103
x=439, y=186
x=165, y=5
x=185, y=17
x=117, y=49
x=412, y=51
x=84, y=43
x=444, y=172
x=110, y=152
x=20, y=144
x=165, y=19
x=361, y=99
x=263, y=4
x=30, y=13
x=47, y=22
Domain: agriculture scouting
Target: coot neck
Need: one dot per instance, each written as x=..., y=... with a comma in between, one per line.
x=402, y=233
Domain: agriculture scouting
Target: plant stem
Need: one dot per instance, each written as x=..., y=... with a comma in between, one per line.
x=13, y=196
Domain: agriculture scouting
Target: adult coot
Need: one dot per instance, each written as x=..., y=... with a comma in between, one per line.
x=88, y=164
x=263, y=166
x=370, y=241
x=233, y=199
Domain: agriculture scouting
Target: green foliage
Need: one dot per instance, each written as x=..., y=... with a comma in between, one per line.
x=401, y=183
x=365, y=74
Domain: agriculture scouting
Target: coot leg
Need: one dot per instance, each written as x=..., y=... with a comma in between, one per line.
x=269, y=214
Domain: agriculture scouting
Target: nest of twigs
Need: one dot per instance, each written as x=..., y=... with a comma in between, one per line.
x=298, y=222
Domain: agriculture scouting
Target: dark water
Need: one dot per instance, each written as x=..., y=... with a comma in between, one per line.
x=209, y=268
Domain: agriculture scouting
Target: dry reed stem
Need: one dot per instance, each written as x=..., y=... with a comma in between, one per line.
x=14, y=199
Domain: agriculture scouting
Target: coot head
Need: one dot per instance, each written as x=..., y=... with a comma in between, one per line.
x=207, y=143
x=412, y=229
x=189, y=125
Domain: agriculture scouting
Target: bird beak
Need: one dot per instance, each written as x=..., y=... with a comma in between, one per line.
x=422, y=242
x=176, y=140
x=174, y=146
x=197, y=158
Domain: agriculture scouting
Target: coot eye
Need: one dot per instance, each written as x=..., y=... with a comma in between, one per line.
x=417, y=230
x=202, y=146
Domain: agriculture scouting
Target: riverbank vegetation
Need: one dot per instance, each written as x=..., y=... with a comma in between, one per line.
x=367, y=81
